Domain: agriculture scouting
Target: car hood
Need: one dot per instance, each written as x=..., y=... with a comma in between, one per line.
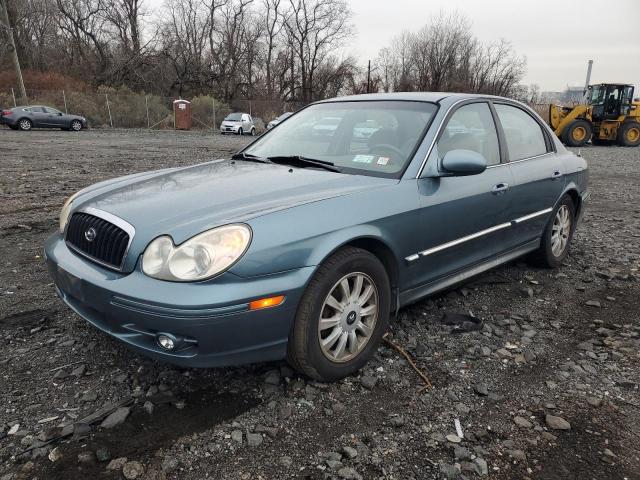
x=183, y=202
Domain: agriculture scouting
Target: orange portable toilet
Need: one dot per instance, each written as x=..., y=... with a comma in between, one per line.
x=182, y=114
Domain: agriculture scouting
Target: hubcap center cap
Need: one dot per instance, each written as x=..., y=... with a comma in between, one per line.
x=351, y=317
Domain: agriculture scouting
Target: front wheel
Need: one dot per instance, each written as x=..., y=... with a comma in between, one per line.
x=240, y=132
x=76, y=125
x=577, y=133
x=557, y=235
x=25, y=124
x=341, y=317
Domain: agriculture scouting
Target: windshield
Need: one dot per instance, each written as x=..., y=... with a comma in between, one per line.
x=234, y=117
x=375, y=138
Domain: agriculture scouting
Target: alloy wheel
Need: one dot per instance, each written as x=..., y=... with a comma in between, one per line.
x=348, y=317
x=560, y=231
x=76, y=125
x=25, y=124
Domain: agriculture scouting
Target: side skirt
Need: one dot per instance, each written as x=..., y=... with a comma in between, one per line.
x=415, y=294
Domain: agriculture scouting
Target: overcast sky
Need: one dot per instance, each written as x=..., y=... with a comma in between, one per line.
x=557, y=37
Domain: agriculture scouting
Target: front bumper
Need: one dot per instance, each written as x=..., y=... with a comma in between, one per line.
x=229, y=128
x=210, y=320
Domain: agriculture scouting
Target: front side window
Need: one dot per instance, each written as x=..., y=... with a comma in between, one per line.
x=523, y=134
x=50, y=110
x=471, y=127
x=376, y=138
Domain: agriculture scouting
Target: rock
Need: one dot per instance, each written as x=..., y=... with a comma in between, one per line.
x=369, y=381
x=481, y=389
x=86, y=457
x=117, y=463
x=450, y=472
x=349, y=474
x=461, y=453
x=333, y=464
x=55, y=455
x=522, y=422
x=518, y=455
x=102, y=454
x=397, y=421
x=148, y=407
x=169, y=464
x=527, y=292
x=236, y=436
x=254, y=439
x=481, y=466
x=13, y=430
x=557, y=423
x=453, y=438
x=90, y=396
x=272, y=377
x=285, y=461
x=132, y=470
x=594, y=401
x=79, y=371
x=350, y=452
x=593, y=303
x=60, y=375
x=116, y=418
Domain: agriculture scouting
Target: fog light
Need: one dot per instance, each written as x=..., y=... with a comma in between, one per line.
x=166, y=342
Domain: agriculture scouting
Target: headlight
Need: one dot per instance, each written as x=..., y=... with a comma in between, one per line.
x=199, y=258
x=66, y=210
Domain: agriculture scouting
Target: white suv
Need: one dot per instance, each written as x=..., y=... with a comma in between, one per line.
x=238, y=123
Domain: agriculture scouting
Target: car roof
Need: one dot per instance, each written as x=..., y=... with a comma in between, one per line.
x=432, y=97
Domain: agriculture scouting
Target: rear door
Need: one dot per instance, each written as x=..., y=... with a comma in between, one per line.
x=37, y=116
x=462, y=219
x=538, y=173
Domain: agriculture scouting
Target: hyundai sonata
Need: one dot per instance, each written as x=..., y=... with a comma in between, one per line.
x=301, y=245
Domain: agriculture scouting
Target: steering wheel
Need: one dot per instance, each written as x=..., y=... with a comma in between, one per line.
x=387, y=146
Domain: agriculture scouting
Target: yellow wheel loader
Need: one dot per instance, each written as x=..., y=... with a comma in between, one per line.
x=610, y=115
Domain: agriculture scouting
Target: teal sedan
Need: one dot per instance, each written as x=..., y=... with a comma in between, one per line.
x=302, y=245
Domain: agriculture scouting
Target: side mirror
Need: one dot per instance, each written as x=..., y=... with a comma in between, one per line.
x=463, y=162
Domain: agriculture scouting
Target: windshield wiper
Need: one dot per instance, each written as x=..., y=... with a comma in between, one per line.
x=300, y=161
x=249, y=157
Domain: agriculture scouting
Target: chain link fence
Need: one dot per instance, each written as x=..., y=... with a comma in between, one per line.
x=111, y=108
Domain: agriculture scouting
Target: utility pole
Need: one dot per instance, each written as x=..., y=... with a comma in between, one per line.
x=12, y=48
x=369, y=77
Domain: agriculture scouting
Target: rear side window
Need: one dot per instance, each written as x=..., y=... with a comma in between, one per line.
x=471, y=127
x=523, y=134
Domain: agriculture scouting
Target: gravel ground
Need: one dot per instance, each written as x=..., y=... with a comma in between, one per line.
x=548, y=389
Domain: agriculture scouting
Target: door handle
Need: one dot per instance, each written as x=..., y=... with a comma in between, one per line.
x=500, y=188
x=555, y=175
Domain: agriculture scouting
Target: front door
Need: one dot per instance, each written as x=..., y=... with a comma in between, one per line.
x=462, y=219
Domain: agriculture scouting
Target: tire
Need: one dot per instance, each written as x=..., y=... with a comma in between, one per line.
x=304, y=350
x=240, y=132
x=548, y=255
x=577, y=133
x=76, y=125
x=253, y=132
x=629, y=134
x=25, y=124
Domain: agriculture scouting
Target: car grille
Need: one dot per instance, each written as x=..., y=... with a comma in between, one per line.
x=109, y=243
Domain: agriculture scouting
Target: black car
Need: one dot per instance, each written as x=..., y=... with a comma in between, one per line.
x=33, y=116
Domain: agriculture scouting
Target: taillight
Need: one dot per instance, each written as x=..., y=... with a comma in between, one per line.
x=6, y=112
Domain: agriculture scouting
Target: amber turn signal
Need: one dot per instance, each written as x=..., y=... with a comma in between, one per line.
x=266, y=302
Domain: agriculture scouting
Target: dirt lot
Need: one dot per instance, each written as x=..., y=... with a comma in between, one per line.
x=563, y=343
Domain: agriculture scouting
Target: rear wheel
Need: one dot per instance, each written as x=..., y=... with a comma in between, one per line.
x=577, y=133
x=76, y=125
x=341, y=317
x=629, y=134
x=557, y=236
x=253, y=132
x=25, y=124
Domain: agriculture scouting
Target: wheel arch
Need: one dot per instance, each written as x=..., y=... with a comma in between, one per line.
x=572, y=191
